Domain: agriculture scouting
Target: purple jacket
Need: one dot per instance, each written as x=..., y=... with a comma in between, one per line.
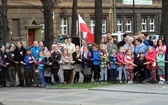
x=2, y=65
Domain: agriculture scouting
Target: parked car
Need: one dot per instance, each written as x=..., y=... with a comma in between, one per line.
x=153, y=37
x=61, y=40
x=119, y=36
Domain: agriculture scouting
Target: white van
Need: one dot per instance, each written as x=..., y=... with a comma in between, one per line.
x=119, y=36
x=153, y=37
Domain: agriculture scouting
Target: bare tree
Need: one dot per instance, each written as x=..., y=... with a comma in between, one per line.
x=48, y=6
x=4, y=28
x=98, y=21
x=74, y=17
x=164, y=22
x=1, y=29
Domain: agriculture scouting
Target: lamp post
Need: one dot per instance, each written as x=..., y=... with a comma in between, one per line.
x=134, y=24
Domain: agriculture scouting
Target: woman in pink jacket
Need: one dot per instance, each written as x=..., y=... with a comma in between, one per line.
x=129, y=65
x=161, y=45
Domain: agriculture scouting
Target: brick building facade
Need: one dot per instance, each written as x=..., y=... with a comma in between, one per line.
x=26, y=20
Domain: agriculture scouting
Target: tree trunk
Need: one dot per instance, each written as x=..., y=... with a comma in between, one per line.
x=98, y=21
x=1, y=29
x=48, y=6
x=74, y=17
x=5, y=27
x=164, y=22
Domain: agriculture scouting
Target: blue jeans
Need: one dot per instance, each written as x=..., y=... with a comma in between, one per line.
x=113, y=75
x=103, y=73
x=42, y=80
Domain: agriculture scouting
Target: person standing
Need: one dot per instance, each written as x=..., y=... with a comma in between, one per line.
x=35, y=53
x=71, y=48
x=66, y=61
x=121, y=64
x=129, y=65
x=151, y=57
x=10, y=62
x=77, y=65
x=28, y=59
x=139, y=47
x=104, y=63
x=121, y=43
x=40, y=66
x=96, y=62
x=113, y=66
x=161, y=66
x=87, y=64
x=111, y=46
x=47, y=68
x=2, y=66
x=161, y=45
x=3, y=55
x=43, y=48
x=129, y=45
x=20, y=53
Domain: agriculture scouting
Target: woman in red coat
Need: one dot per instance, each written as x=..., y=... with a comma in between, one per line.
x=151, y=58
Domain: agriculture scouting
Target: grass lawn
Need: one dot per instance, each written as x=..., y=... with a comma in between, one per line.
x=79, y=86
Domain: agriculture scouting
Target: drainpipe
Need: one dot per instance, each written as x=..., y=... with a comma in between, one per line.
x=134, y=24
x=115, y=17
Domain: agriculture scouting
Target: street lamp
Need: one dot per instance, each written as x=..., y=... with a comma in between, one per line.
x=134, y=24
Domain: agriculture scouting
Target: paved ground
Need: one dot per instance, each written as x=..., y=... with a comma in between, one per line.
x=134, y=94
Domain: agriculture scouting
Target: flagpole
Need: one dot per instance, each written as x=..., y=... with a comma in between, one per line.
x=80, y=40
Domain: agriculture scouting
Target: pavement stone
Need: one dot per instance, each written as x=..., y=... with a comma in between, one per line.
x=133, y=94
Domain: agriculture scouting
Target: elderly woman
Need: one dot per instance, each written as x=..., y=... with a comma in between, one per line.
x=129, y=45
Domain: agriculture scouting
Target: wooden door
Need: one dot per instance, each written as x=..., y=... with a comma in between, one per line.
x=31, y=38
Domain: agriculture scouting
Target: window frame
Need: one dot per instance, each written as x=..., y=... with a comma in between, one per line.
x=144, y=23
x=150, y=24
x=128, y=25
x=62, y=26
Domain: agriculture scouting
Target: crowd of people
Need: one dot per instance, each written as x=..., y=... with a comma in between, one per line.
x=127, y=61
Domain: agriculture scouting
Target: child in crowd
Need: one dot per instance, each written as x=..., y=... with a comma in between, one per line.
x=40, y=64
x=121, y=64
x=28, y=60
x=161, y=65
x=47, y=68
x=77, y=65
x=140, y=69
x=96, y=62
x=104, y=63
x=86, y=64
x=66, y=65
x=151, y=57
x=113, y=66
x=55, y=57
x=129, y=65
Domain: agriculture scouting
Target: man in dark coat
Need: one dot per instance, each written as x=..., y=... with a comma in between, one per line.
x=121, y=43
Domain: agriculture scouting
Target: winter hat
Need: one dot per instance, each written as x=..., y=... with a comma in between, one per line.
x=114, y=51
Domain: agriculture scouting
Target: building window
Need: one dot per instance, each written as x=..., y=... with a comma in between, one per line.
x=64, y=26
x=151, y=24
x=92, y=25
x=128, y=26
x=119, y=26
x=16, y=27
x=144, y=24
x=77, y=28
x=104, y=26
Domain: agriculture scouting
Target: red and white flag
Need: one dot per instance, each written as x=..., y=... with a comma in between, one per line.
x=87, y=34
